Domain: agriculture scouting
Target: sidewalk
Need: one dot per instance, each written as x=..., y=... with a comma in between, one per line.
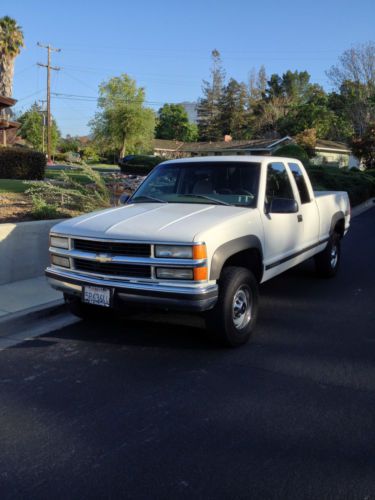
x=21, y=299
x=35, y=296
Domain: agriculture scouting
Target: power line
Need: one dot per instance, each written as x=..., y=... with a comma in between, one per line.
x=87, y=98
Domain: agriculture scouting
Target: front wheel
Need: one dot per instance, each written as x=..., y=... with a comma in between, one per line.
x=327, y=262
x=233, y=318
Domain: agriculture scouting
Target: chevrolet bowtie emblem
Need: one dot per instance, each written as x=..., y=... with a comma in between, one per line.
x=103, y=257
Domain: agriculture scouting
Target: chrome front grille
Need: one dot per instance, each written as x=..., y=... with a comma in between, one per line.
x=112, y=269
x=114, y=248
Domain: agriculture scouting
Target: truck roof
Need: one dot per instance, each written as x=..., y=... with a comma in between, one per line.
x=231, y=158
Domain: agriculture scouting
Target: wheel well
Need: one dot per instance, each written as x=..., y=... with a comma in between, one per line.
x=340, y=227
x=249, y=258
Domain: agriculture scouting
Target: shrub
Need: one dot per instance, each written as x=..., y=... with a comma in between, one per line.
x=139, y=164
x=52, y=200
x=293, y=151
x=17, y=163
x=359, y=186
x=59, y=157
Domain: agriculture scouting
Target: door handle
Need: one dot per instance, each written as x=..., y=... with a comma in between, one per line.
x=299, y=218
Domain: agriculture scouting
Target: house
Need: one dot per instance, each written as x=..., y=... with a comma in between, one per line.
x=335, y=154
x=326, y=152
x=8, y=127
x=177, y=149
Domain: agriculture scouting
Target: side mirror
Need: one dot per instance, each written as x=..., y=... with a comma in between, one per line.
x=123, y=199
x=282, y=206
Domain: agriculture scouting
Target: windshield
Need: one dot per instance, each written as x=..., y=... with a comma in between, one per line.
x=218, y=183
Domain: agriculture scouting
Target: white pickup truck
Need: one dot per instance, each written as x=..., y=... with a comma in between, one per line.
x=200, y=234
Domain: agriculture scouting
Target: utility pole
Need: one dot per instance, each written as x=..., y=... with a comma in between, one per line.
x=55, y=68
x=42, y=101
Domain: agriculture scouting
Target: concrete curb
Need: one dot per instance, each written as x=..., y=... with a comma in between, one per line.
x=363, y=207
x=11, y=323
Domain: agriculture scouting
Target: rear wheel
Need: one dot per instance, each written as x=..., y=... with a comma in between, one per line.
x=233, y=318
x=327, y=262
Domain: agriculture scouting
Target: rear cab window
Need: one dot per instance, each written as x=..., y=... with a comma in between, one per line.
x=300, y=182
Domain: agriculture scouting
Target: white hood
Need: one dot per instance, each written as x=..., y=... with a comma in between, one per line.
x=178, y=222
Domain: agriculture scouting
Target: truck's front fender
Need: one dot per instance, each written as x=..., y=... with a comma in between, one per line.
x=230, y=248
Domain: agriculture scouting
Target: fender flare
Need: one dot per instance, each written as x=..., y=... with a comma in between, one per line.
x=223, y=252
x=336, y=217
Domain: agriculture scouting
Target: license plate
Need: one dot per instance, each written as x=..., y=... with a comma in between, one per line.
x=97, y=296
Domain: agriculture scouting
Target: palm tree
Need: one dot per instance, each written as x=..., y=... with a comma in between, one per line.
x=11, y=41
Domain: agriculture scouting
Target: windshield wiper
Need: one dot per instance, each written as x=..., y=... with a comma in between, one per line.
x=215, y=200
x=147, y=199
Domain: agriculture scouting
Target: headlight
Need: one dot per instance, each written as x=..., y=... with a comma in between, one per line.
x=174, y=274
x=197, y=252
x=59, y=242
x=60, y=261
x=173, y=252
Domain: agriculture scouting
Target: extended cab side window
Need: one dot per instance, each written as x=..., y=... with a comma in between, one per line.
x=301, y=183
x=278, y=183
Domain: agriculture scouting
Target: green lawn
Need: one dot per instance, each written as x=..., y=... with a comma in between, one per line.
x=103, y=166
x=12, y=186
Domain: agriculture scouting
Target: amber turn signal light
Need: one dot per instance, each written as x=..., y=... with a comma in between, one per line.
x=200, y=274
x=199, y=252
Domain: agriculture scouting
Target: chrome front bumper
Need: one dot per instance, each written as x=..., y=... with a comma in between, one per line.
x=200, y=297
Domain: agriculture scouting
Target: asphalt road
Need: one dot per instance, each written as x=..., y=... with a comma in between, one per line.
x=149, y=409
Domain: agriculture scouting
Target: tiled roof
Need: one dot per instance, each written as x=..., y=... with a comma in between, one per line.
x=167, y=145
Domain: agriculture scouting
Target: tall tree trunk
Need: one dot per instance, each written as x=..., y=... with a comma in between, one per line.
x=6, y=75
x=123, y=148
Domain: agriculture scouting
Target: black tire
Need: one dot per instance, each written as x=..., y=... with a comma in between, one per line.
x=84, y=311
x=327, y=262
x=232, y=320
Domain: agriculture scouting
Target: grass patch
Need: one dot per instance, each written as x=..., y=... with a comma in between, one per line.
x=103, y=166
x=74, y=175
x=12, y=186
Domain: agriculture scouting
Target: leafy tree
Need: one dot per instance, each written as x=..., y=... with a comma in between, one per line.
x=11, y=42
x=257, y=85
x=32, y=125
x=354, y=79
x=312, y=114
x=354, y=103
x=293, y=151
x=69, y=144
x=307, y=140
x=234, y=115
x=208, y=109
x=281, y=94
x=123, y=123
x=364, y=147
x=173, y=123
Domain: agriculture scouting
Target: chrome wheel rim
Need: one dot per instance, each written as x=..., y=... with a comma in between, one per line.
x=334, y=256
x=242, y=307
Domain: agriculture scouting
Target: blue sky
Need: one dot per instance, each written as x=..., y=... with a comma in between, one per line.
x=165, y=46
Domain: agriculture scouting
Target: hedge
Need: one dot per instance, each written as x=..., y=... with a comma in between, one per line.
x=138, y=164
x=17, y=163
x=360, y=186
